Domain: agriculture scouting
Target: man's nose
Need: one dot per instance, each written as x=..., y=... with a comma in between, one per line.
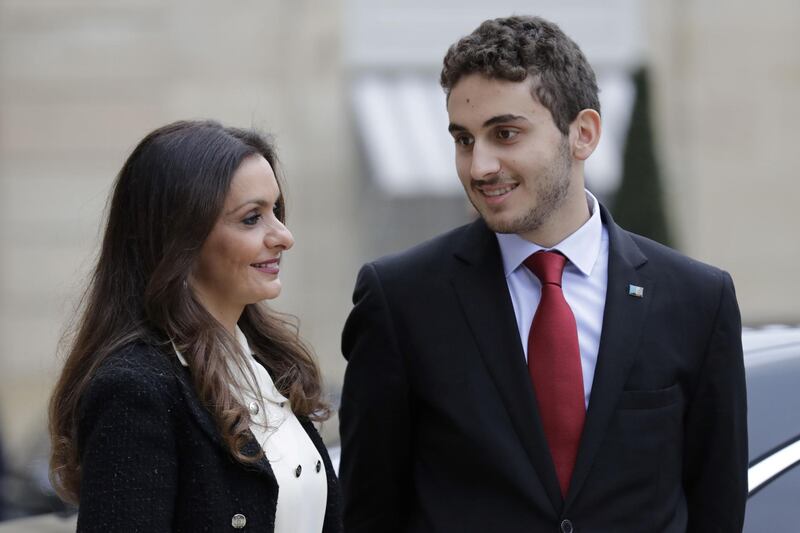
x=485, y=163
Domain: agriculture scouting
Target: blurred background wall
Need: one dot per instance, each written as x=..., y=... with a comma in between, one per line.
x=349, y=88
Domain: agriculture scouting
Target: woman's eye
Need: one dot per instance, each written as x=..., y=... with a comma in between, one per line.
x=252, y=220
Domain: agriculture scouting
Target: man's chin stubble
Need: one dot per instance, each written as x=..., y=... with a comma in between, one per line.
x=534, y=218
x=530, y=222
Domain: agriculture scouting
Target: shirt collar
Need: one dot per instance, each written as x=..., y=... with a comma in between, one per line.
x=266, y=387
x=239, y=337
x=581, y=247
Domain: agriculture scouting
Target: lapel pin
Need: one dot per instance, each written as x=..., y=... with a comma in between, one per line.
x=635, y=290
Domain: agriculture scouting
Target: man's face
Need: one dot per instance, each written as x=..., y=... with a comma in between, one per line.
x=512, y=160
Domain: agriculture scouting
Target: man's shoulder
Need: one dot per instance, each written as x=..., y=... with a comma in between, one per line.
x=432, y=253
x=671, y=263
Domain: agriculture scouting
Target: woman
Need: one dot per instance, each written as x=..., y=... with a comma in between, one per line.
x=184, y=404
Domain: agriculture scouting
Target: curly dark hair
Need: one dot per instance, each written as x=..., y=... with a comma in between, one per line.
x=515, y=48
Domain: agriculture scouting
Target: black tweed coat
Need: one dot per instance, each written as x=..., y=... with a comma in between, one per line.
x=152, y=460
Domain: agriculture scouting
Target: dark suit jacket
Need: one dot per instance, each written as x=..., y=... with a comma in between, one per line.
x=152, y=460
x=439, y=421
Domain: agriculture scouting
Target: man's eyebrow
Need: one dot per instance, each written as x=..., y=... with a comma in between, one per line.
x=499, y=119
x=452, y=128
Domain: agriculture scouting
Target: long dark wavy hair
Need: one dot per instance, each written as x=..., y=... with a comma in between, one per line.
x=166, y=200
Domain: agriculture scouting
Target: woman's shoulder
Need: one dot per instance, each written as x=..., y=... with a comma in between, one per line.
x=133, y=387
x=135, y=370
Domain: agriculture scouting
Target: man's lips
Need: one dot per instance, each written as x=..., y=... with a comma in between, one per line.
x=271, y=266
x=495, y=193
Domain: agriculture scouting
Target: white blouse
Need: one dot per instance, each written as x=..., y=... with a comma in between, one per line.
x=295, y=461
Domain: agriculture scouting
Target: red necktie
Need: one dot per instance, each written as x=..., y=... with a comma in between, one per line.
x=554, y=364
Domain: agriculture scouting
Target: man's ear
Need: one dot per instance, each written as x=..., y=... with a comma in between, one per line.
x=585, y=133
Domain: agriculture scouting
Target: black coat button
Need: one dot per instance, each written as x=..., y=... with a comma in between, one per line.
x=319, y=466
x=566, y=526
x=298, y=471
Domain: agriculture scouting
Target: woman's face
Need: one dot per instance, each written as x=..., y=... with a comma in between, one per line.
x=239, y=261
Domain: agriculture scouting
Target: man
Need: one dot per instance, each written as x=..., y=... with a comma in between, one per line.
x=540, y=369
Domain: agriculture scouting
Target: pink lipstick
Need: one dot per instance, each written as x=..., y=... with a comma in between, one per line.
x=268, y=267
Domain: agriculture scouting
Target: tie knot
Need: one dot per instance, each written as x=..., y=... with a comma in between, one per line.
x=547, y=266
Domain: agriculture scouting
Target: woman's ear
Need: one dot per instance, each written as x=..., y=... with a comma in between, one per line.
x=585, y=130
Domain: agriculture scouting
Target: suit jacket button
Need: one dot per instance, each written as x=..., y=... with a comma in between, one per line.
x=566, y=526
x=319, y=466
x=238, y=521
x=297, y=471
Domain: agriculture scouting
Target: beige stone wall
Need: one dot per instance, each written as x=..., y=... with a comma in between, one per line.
x=727, y=78
x=81, y=81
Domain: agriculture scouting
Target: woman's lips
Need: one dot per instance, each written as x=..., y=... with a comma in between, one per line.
x=268, y=267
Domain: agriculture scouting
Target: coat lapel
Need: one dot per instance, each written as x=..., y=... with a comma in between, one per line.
x=206, y=423
x=200, y=415
x=479, y=281
x=623, y=319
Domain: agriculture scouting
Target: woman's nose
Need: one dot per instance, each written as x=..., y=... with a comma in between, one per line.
x=279, y=236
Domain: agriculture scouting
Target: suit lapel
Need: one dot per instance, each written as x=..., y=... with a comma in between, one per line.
x=479, y=281
x=623, y=318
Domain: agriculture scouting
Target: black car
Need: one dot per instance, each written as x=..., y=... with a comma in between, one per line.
x=772, y=361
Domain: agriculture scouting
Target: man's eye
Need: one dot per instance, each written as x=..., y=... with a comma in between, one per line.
x=464, y=140
x=506, y=135
x=252, y=220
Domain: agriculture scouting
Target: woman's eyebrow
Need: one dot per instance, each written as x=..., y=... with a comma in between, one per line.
x=258, y=201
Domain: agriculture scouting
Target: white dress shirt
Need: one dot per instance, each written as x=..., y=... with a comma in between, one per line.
x=295, y=461
x=584, y=284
